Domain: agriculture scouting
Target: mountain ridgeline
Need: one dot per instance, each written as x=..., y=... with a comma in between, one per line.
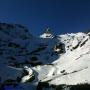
x=53, y=62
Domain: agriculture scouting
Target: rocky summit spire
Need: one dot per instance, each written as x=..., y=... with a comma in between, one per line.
x=47, y=33
x=48, y=30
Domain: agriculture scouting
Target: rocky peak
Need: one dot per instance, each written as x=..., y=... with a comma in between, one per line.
x=47, y=33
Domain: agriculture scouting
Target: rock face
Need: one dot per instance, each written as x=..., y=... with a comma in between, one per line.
x=60, y=62
x=18, y=48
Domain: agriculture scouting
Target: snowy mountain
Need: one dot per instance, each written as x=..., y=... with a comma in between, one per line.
x=48, y=62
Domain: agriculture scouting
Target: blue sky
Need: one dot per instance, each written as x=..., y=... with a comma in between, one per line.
x=61, y=15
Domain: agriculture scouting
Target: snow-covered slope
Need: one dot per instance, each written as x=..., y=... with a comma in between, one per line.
x=30, y=63
x=73, y=67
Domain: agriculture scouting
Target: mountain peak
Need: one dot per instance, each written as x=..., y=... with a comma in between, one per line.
x=48, y=30
x=47, y=33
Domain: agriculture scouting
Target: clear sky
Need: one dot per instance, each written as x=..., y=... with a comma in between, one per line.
x=61, y=15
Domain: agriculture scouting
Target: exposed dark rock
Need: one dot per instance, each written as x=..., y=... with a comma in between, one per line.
x=43, y=85
x=83, y=43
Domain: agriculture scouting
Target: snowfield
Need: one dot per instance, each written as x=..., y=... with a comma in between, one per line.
x=27, y=61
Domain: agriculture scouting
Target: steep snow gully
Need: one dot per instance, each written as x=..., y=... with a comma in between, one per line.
x=48, y=62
